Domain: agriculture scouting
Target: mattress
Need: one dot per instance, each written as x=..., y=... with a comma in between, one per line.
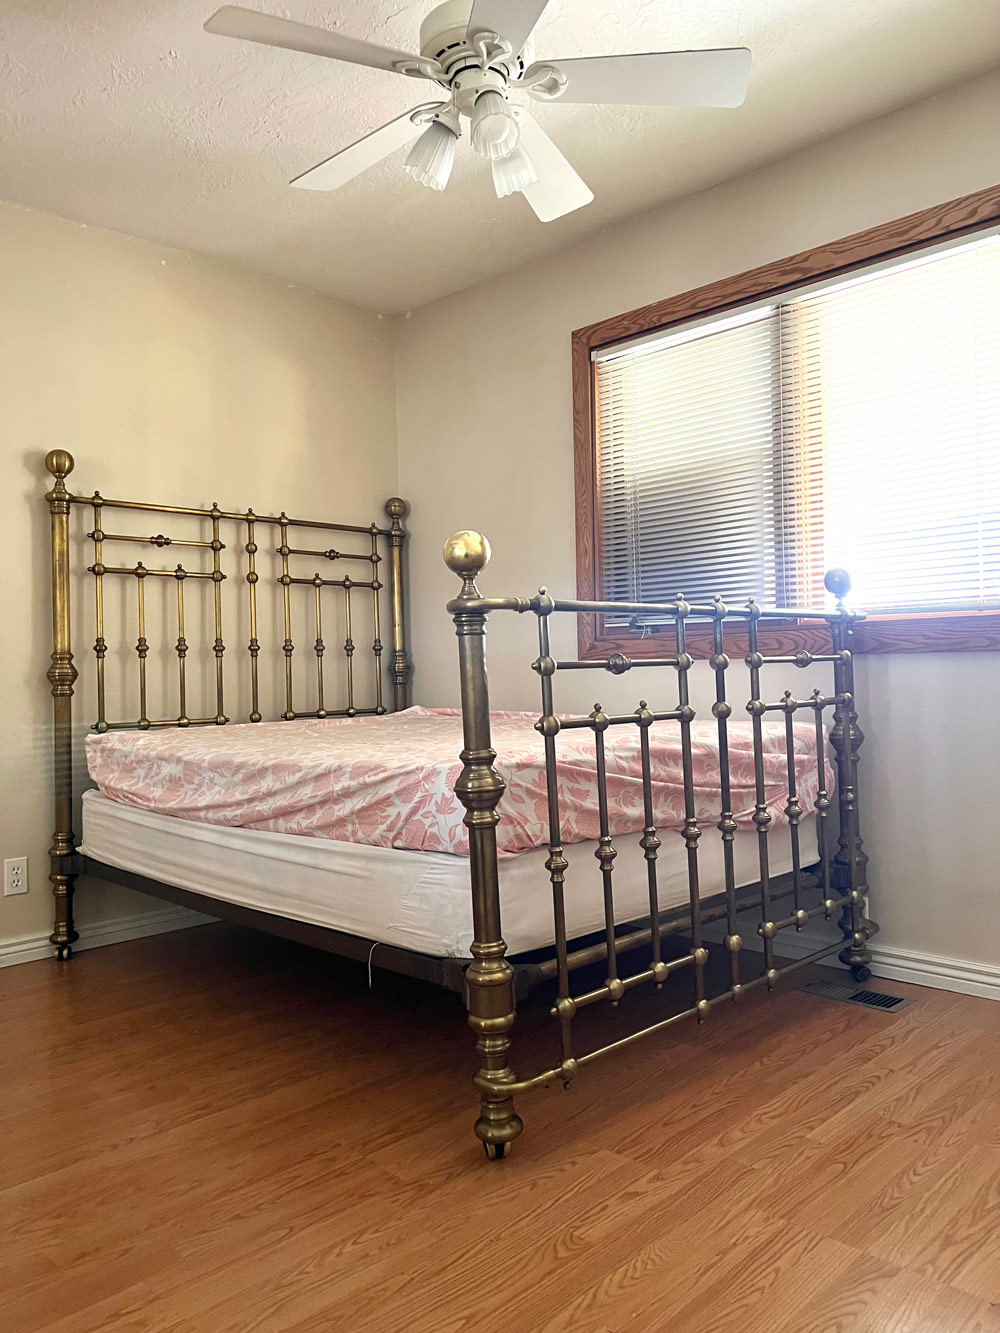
x=389, y=781
x=414, y=899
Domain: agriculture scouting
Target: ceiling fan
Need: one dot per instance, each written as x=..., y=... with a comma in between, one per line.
x=479, y=54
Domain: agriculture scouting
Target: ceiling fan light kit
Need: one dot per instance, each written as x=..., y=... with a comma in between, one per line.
x=495, y=132
x=479, y=54
x=514, y=173
x=432, y=157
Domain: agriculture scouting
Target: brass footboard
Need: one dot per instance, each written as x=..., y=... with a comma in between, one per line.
x=839, y=876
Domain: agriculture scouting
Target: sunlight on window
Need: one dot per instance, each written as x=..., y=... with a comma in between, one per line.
x=857, y=424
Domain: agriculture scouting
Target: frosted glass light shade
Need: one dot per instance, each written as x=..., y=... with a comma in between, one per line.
x=432, y=157
x=495, y=132
x=512, y=173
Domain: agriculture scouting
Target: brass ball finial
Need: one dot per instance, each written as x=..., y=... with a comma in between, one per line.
x=60, y=462
x=467, y=553
x=396, y=508
x=838, y=581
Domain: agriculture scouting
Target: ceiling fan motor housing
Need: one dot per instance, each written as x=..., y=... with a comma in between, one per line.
x=444, y=38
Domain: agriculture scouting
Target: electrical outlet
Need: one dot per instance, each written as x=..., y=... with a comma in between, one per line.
x=15, y=875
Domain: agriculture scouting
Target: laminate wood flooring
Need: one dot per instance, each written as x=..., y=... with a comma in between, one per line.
x=218, y=1132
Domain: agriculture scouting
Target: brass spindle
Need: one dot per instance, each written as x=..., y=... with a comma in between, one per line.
x=376, y=560
x=793, y=810
x=100, y=645
x=761, y=816
x=349, y=647
x=722, y=711
x=254, y=644
x=822, y=804
x=180, y=575
x=141, y=643
x=692, y=832
x=606, y=852
x=649, y=842
x=320, y=647
x=556, y=862
x=287, y=646
x=218, y=647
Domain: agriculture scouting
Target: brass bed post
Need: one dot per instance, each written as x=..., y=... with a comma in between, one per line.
x=846, y=738
x=489, y=979
x=397, y=510
x=62, y=675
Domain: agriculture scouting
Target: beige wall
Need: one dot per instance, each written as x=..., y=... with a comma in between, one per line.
x=179, y=377
x=483, y=382
x=170, y=377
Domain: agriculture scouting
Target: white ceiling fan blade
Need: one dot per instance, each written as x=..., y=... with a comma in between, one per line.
x=559, y=189
x=358, y=157
x=513, y=20
x=249, y=26
x=660, y=78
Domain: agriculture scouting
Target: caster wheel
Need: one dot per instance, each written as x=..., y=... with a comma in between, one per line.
x=860, y=973
x=64, y=952
x=496, y=1152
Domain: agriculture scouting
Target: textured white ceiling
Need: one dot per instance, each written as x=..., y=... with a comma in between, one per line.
x=125, y=114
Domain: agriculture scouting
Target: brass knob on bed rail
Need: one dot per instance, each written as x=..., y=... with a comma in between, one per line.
x=60, y=462
x=838, y=581
x=467, y=554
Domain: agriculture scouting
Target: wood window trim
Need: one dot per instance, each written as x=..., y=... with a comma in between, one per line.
x=948, y=632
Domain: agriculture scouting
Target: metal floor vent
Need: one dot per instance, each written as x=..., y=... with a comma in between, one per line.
x=848, y=993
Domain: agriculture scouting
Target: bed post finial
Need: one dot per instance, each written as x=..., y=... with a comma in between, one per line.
x=399, y=665
x=489, y=980
x=467, y=554
x=62, y=676
x=60, y=462
x=838, y=582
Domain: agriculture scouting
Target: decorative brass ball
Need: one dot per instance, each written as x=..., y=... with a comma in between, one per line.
x=396, y=508
x=60, y=462
x=466, y=553
x=838, y=581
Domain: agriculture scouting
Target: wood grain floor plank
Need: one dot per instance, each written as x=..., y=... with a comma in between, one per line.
x=214, y=1133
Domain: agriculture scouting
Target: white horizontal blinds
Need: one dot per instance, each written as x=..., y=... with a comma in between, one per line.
x=896, y=378
x=855, y=425
x=688, y=495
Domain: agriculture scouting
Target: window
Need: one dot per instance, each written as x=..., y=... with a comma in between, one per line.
x=857, y=424
x=849, y=419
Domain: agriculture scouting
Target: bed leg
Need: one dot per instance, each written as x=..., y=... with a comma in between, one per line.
x=850, y=864
x=855, y=924
x=489, y=980
x=62, y=676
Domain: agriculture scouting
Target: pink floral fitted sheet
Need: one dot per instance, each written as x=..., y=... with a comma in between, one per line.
x=389, y=781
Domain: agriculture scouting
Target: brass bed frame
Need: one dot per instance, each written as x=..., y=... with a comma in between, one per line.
x=839, y=879
x=492, y=983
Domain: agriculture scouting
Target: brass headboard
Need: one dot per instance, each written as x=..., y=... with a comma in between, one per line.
x=293, y=542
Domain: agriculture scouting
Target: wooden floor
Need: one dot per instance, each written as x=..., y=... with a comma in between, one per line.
x=214, y=1131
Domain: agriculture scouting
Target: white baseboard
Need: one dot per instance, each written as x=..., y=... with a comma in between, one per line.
x=925, y=969
x=921, y=969
x=116, y=930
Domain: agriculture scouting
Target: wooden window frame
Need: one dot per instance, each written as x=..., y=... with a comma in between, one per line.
x=940, y=632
